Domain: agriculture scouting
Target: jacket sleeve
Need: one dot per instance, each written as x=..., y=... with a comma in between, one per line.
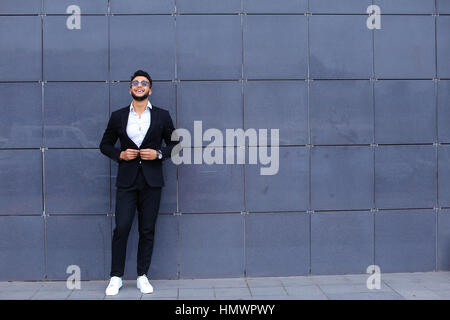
x=110, y=138
x=167, y=136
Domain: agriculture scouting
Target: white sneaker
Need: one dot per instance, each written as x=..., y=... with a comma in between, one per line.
x=114, y=285
x=144, y=285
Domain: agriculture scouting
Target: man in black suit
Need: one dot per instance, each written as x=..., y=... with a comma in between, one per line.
x=141, y=127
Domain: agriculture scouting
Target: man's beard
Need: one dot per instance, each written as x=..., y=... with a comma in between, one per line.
x=135, y=97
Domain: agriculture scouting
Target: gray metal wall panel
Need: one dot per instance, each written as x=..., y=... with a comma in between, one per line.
x=84, y=241
x=443, y=242
x=21, y=176
x=341, y=242
x=22, y=254
x=405, y=241
x=277, y=244
x=362, y=114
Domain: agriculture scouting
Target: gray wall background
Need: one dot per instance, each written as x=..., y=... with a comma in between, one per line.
x=363, y=115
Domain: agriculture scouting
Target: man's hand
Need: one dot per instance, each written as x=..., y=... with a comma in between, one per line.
x=129, y=154
x=148, y=154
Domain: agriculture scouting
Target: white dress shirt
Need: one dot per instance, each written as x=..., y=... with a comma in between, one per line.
x=137, y=126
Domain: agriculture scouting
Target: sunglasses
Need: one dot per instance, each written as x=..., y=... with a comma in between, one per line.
x=135, y=83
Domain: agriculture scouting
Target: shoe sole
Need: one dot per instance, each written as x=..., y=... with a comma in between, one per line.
x=115, y=294
x=143, y=291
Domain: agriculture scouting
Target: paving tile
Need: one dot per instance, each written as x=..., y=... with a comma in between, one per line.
x=84, y=286
x=196, y=298
x=417, y=285
x=125, y=294
x=86, y=295
x=21, y=286
x=209, y=283
x=225, y=293
x=365, y=296
x=437, y=286
x=196, y=293
x=362, y=287
x=405, y=285
x=337, y=288
x=312, y=290
x=330, y=279
x=296, y=281
x=436, y=277
x=443, y=295
x=264, y=282
x=229, y=283
x=276, y=298
x=404, y=276
x=357, y=278
x=414, y=276
x=164, y=284
x=51, y=295
x=119, y=297
x=122, y=297
x=94, y=285
x=186, y=283
x=126, y=291
x=268, y=291
x=234, y=298
x=56, y=286
x=319, y=297
x=418, y=294
x=306, y=296
x=171, y=293
x=352, y=288
x=4, y=284
x=16, y=295
x=418, y=274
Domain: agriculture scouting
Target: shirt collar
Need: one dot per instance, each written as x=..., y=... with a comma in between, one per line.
x=149, y=106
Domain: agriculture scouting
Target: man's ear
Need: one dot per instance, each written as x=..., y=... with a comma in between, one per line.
x=150, y=91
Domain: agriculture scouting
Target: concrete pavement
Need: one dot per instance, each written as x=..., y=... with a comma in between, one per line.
x=394, y=286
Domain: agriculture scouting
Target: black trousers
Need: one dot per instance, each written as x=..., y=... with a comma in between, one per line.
x=146, y=200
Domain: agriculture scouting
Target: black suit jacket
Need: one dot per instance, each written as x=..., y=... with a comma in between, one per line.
x=161, y=127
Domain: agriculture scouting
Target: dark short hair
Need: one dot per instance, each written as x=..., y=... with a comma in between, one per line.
x=141, y=73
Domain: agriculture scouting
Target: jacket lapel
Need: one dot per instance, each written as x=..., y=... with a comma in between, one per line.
x=154, y=118
x=124, y=117
x=153, y=121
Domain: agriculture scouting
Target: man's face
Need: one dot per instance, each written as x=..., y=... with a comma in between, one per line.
x=139, y=91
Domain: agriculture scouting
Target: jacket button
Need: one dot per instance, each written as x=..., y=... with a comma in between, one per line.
x=139, y=161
